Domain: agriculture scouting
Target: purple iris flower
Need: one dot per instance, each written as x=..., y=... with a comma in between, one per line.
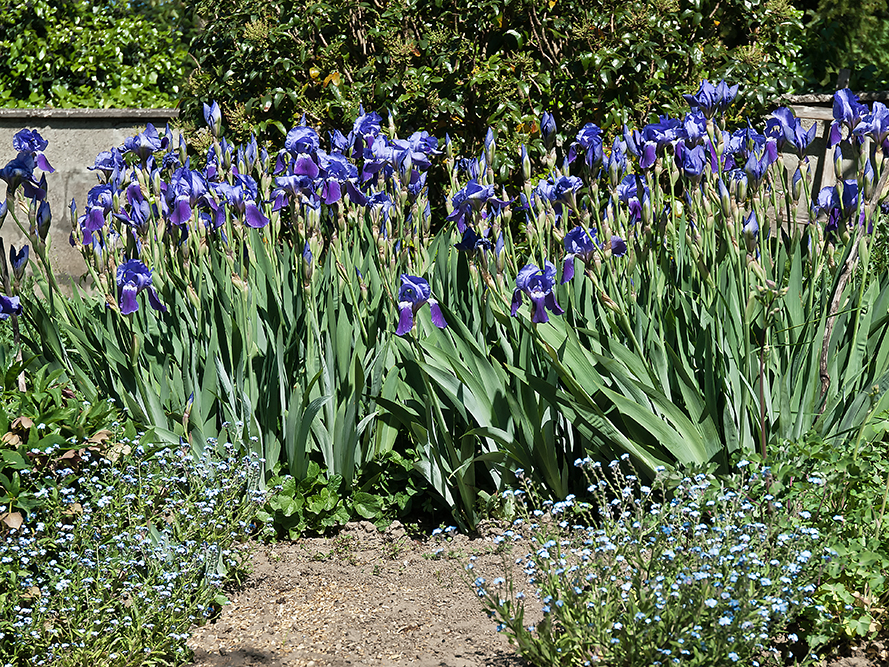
x=538, y=285
x=145, y=144
x=692, y=161
x=365, y=129
x=302, y=140
x=42, y=220
x=560, y=190
x=20, y=172
x=109, y=162
x=616, y=163
x=18, y=260
x=9, y=305
x=711, y=99
x=655, y=137
x=579, y=243
x=132, y=278
x=695, y=127
x=847, y=112
x=876, y=125
x=184, y=191
x=338, y=173
x=242, y=196
x=471, y=198
x=618, y=246
x=589, y=144
x=758, y=163
x=413, y=294
x=139, y=212
x=472, y=241
x=787, y=128
x=30, y=141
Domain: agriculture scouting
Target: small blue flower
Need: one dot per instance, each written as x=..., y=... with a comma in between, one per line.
x=412, y=295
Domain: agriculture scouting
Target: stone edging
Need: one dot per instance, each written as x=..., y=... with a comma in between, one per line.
x=163, y=114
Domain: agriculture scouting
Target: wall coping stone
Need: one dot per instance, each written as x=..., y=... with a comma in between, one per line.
x=136, y=115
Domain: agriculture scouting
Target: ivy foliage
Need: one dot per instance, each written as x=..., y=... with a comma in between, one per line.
x=93, y=53
x=443, y=65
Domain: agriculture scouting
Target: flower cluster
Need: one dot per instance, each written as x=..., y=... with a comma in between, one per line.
x=132, y=551
x=699, y=573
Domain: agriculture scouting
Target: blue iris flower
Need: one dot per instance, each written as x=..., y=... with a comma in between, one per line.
x=711, y=99
x=579, y=243
x=413, y=294
x=538, y=285
x=134, y=277
x=589, y=144
x=787, y=128
x=9, y=305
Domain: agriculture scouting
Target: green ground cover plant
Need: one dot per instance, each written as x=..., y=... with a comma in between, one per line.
x=691, y=571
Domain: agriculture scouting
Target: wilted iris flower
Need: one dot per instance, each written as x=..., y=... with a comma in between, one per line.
x=538, y=285
x=579, y=243
x=413, y=294
x=134, y=277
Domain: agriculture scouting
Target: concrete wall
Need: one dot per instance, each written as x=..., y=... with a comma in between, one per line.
x=76, y=137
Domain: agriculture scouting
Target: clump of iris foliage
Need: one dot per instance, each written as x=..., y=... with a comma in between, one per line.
x=690, y=571
x=682, y=293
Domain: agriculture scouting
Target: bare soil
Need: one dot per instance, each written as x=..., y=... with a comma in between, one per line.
x=371, y=599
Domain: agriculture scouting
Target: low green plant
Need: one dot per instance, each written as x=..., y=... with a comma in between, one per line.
x=43, y=429
x=706, y=572
x=123, y=557
x=854, y=484
x=384, y=490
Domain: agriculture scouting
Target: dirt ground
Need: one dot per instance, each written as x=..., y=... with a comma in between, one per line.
x=371, y=599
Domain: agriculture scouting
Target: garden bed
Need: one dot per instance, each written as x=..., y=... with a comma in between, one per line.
x=370, y=599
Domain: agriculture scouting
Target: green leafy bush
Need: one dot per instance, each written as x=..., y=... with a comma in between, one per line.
x=66, y=53
x=460, y=67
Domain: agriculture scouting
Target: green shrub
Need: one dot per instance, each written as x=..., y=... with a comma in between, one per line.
x=66, y=53
x=460, y=67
